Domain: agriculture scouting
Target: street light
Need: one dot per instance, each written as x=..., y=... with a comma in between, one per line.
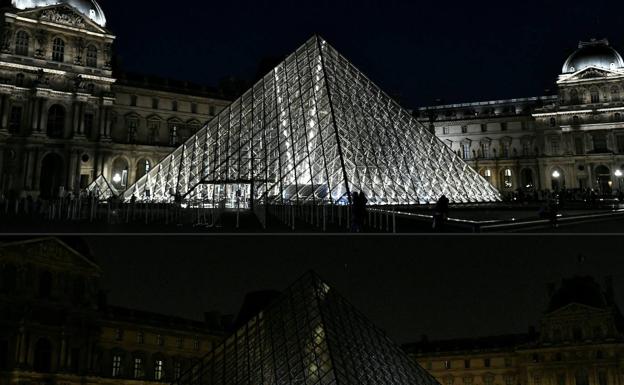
x=556, y=174
x=117, y=178
x=618, y=174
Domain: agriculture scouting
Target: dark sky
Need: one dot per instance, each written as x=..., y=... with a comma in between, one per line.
x=459, y=286
x=422, y=50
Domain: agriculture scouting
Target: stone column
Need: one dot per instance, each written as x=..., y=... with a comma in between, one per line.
x=34, y=115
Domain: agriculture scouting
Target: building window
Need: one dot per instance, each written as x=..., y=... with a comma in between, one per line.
x=485, y=150
x=574, y=97
x=595, y=96
x=506, y=149
x=88, y=124
x=488, y=380
x=465, y=151
x=535, y=357
x=179, y=342
x=153, y=128
x=42, y=362
x=116, y=366
x=504, y=126
x=140, y=338
x=449, y=380
x=579, y=148
x=22, y=42
x=467, y=364
x=615, y=94
x=138, y=368
x=467, y=380
x=92, y=54
x=194, y=109
x=196, y=344
x=118, y=334
x=617, y=117
x=581, y=377
x=507, y=362
x=19, y=80
x=445, y=130
x=576, y=120
x=577, y=334
x=483, y=127
x=155, y=103
x=555, y=148
x=553, y=122
x=133, y=100
x=143, y=167
x=509, y=380
x=56, y=121
x=173, y=135
x=464, y=129
x=174, y=105
x=600, y=142
x=158, y=370
x=212, y=110
x=15, y=120
x=507, y=178
x=486, y=362
x=526, y=149
x=58, y=50
x=537, y=380
x=561, y=379
x=177, y=369
x=558, y=357
x=132, y=130
x=487, y=174
x=160, y=341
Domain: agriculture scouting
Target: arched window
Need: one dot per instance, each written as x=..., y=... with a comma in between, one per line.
x=92, y=54
x=22, y=42
x=56, y=121
x=58, y=50
x=43, y=356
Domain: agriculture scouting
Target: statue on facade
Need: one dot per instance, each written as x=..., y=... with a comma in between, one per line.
x=80, y=46
x=42, y=43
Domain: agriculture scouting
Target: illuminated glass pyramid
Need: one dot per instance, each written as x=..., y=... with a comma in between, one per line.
x=101, y=189
x=312, y=131
x=310, y=335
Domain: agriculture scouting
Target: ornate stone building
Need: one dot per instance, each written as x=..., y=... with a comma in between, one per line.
x=580, y=342
x=56, y=327
x=66, y=118
x=573, y=140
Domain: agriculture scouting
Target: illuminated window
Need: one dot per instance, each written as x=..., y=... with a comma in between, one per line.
x=487, y=174
x=507, y=178
x=140, y=338
x=58, y=50
x=173, y=135
x=116, y=366
x=22, y=42
x=138, y=368
x=158, y=370
x=92, y=54
x=466, y=151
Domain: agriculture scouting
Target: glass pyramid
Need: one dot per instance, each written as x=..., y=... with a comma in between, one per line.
x=312, y=131
x=101, y=189
x=309, y=335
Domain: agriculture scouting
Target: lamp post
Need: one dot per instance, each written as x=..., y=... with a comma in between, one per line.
x=618, y=175
x=556, y=175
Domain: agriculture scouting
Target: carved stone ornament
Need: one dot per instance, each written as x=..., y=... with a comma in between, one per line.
x=593, y=73
x=63, y=16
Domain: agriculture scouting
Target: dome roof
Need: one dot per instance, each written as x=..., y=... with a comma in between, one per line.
x=90, y=8
x=595, y=53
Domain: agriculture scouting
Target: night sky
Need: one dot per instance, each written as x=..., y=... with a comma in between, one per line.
x=444, y=287
x=420, y=51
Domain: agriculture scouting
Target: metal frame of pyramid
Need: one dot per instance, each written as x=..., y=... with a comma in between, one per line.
x=310, y=132
x=309, y=335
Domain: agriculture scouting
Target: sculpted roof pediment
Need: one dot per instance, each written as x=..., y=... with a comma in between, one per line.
x=51, y=252
x=62, y=15
x=591, y=73
x=573, y=309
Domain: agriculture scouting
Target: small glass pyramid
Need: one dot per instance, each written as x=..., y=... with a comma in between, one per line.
x=312, y=131
x=309, y=335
